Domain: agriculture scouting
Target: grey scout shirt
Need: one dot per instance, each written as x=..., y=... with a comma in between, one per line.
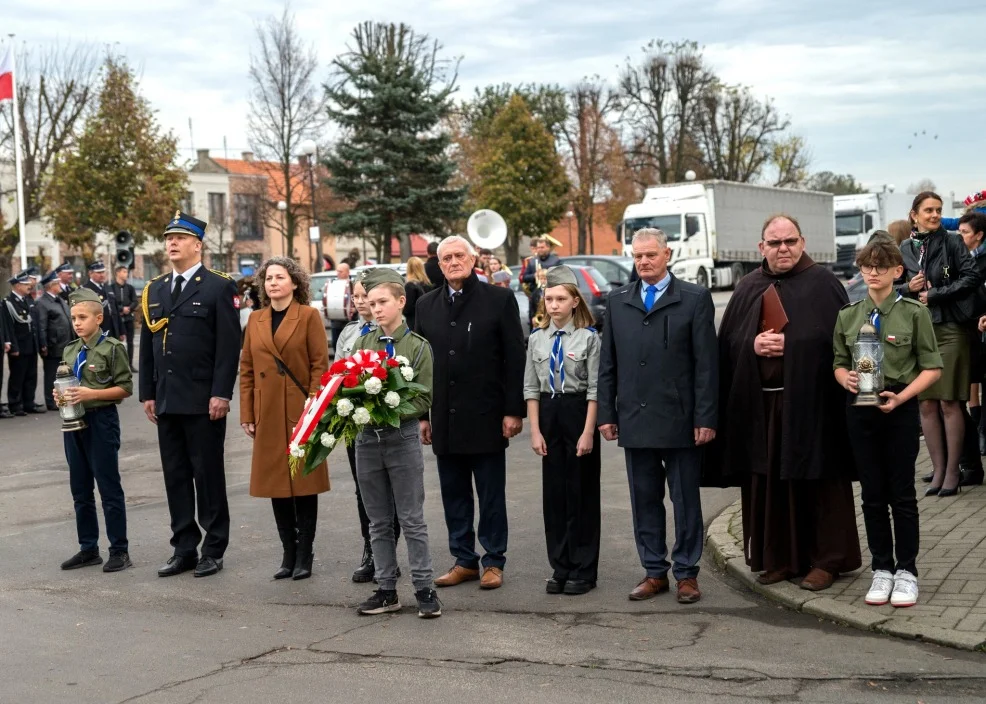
x=580, y=350
x=349, y=335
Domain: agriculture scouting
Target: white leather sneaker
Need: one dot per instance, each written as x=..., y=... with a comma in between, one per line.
x=880, y=588
x=905, y=589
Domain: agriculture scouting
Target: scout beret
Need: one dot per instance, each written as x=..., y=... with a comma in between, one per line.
x=371, y=278
x=561, y=275
x=82, y=295
x=185, y=224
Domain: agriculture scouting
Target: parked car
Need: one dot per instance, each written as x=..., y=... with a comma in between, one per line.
x=524, y=304
x=616, y=270
x=595, y=288
x=856, y=288
x=317, y=286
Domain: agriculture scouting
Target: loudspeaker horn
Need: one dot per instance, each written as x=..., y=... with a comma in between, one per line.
x=487, y=229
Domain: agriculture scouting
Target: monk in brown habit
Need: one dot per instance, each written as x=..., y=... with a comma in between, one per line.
x=782, y=433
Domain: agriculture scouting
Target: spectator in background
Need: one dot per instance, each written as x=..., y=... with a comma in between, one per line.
x=417, y=285
x=484, y=258
x=432, y=269
x=972, y=229
x=127, y=303
x=496, y=266
x=544, y=259
x=946, y=282
x=900, y=230
x=336, y=326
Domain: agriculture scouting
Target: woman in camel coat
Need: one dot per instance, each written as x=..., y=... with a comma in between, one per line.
x=285, y=330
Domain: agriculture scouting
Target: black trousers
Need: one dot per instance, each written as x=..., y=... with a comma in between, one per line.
x=50, y=364
x=23, y=381
x=128, y=330
x=885, y=446
x=456, y=474
x=92, y=455
x=364, y=520
x=192, y=449
x=570, y=489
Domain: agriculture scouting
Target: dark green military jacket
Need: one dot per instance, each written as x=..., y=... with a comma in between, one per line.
x=417, y=351
x=106, y=365
x=909, y=345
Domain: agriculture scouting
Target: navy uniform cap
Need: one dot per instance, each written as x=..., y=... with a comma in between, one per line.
x=32, y=271
x=561, y=275
x=96, y=266
x=21, y=278
x=49, y=277
x=185, y=224
x=64, y=266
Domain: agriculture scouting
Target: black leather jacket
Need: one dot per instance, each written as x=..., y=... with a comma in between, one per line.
x=951, y=273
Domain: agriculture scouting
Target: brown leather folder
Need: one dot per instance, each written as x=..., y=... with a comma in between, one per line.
x=772, y=314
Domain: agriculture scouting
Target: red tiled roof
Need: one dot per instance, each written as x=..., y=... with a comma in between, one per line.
x=419, y=247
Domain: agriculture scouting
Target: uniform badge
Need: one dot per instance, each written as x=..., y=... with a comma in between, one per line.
x=198, y=278
x=891, y=338
x=570, y=355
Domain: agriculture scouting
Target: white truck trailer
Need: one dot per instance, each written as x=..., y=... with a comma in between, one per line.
x=713, y=227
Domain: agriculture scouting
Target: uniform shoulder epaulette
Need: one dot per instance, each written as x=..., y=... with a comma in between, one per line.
x=912, y=301
x=534, y=332
x=409, y=332
x=851, y=304
x=590, y=328
x=157, y=277
x=115, y=341
x=221, y=273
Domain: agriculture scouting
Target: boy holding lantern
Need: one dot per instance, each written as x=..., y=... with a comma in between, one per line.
x=884, y=437
x=100, y=364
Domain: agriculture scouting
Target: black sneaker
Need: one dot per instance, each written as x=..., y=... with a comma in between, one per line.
x=429, y=606
x=382, y=601
x=83, y=558
x=118, y=562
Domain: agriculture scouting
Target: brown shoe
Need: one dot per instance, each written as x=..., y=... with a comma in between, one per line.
x=648, y=588
x=457, y=575
x=492, y=578
x=817, y=580
x=688, y=592
x=774, y=576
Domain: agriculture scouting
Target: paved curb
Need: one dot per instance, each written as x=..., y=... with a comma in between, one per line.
x=727, y=552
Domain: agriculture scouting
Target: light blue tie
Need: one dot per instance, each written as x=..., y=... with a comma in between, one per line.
x=650, y=297
x=556, y=365
x=365, y=330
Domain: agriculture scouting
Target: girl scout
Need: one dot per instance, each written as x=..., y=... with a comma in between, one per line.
x=560, y=389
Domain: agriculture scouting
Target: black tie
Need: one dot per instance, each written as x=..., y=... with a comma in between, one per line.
x=179, y=280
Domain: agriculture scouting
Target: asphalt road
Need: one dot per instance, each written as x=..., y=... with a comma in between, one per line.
x=86, y=636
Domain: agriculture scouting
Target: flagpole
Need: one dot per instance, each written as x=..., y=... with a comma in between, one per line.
x=17, y=159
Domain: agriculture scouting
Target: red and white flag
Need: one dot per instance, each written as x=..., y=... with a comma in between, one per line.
x=7, y=75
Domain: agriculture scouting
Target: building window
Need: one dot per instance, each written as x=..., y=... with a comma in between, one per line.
x=249, y=263
x=217, y=209
x=187, y=203
x=247, y=213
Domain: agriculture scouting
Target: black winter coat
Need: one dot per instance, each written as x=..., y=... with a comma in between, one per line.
x=951, y=271
x=478, y=345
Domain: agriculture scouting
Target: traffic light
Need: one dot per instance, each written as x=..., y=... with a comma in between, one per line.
x=124, y=249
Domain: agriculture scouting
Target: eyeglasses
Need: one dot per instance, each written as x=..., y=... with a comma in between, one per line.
x=777, y=244
x=879, y=270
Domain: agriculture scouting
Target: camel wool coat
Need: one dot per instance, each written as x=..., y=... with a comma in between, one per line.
x=273, y=402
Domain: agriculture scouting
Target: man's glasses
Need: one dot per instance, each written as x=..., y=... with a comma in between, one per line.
x=879, y=270
x=777, y=244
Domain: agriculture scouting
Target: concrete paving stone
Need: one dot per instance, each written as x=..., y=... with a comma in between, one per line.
x=844, y=613
x=956, y=639
x=972, y=623
x=786, y=593
x=950, y=586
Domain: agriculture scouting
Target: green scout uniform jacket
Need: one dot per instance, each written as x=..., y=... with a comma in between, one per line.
x=580, y=352
x=909, y=345
x=417, y=350
x=106, y=365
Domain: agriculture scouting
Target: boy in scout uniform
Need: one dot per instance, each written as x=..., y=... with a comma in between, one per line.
x=884, y=438
x=389, y=463
x=100, y=364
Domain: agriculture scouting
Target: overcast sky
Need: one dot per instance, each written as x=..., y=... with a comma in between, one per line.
x=858, y=78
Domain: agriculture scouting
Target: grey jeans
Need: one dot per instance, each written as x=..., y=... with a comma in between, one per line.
x=390, y=471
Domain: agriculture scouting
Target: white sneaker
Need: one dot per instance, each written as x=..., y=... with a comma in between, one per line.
x=880, y=588
x=905, y=589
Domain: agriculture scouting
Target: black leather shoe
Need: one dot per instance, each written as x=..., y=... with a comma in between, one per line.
x=176, y=565
x=579, y=586
x=971, y=477
x=928, y=477
x=37, y=409
x=554, y=586
x=5, y=412
x=208, y=566
x=53, y=409
x=364, y=573
x=20, y=414
x=83, y=558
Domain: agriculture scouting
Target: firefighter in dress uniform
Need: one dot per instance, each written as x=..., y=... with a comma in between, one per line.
x=22, y=354
x=189, y=354
x=112, y=323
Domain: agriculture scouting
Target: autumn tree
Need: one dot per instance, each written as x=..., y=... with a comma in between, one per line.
x=389, y=95
x=287, y=106
x=122, y=173
x=791, y=159
x=925, y=184
x=57, y=89
x=521, y=175
x=836, y=184
x=585, y=132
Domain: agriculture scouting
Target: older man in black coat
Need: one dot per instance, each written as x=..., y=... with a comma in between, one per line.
x=475, y=334
x=658, y=388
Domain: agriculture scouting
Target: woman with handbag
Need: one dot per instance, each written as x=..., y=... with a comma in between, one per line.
x=284, y=356
x=946, y=282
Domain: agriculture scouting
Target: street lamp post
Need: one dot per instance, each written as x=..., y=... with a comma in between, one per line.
x=282, y=206
x=569, y=215
x=310, y=149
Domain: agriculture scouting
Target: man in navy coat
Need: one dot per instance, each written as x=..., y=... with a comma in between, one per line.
x=658, y=395
x=189, y=353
